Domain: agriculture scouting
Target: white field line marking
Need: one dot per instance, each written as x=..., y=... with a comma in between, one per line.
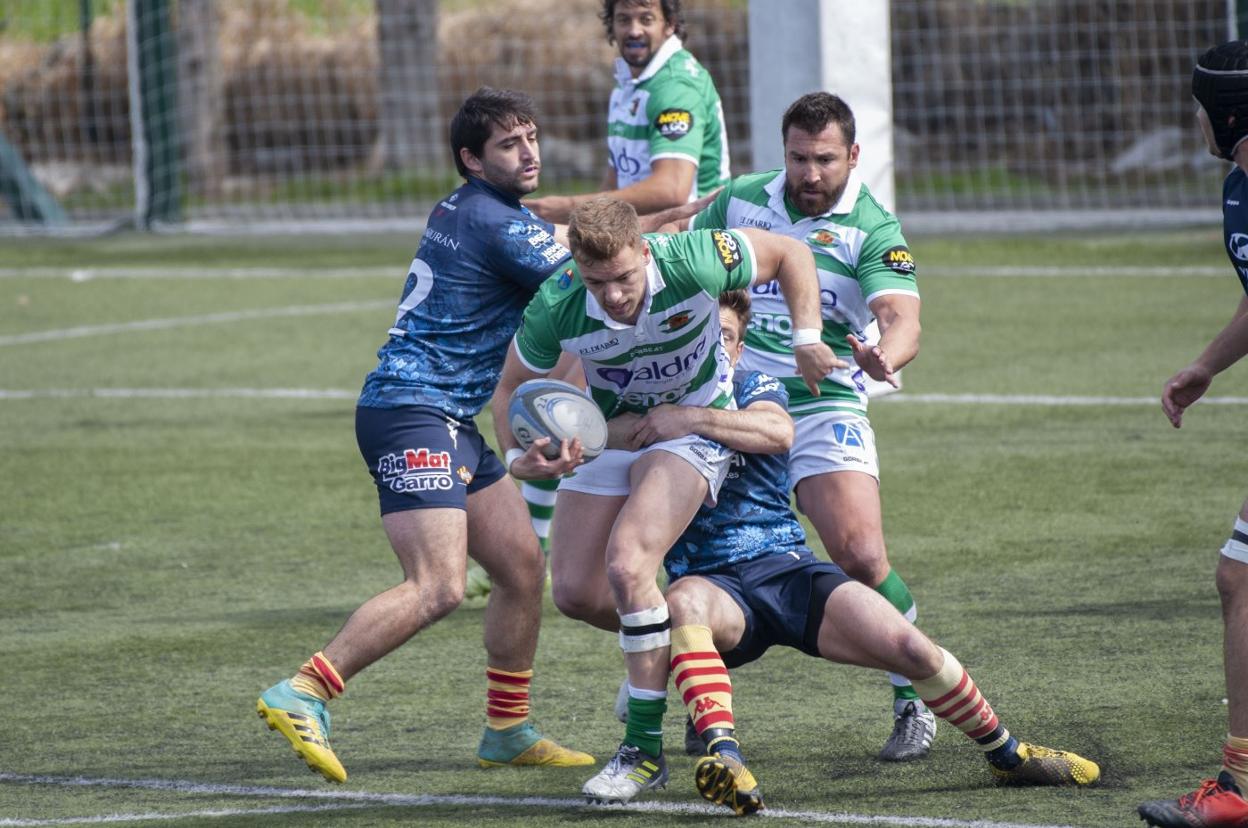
x=104, y=819
x=374, y=272
x=191, y=321
x=87, y=274
x=418, y=800
x=1038, y=400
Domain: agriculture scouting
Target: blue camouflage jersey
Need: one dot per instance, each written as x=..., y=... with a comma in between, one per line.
x=1235, y=222
x=482, y=258
x=753, y=517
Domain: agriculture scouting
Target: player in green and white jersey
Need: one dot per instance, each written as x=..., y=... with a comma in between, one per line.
x=666, y=139
x=866, y=272
x=643, y=315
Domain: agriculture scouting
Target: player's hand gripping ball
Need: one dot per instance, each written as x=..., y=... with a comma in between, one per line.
x=558, y=410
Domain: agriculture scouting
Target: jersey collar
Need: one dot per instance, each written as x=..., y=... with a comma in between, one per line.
x=845, y=204
x=624, y=77
x=654, y=283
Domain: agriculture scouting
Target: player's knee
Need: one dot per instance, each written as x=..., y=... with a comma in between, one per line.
x=864, y=560
x=576, y=602
x=523, y=571
x=685, y=605
x=1231, y=579
x=438, y=598
x=628, y=577
x=918, y=657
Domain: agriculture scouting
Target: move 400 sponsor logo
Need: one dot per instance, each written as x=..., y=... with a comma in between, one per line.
x=417, y=470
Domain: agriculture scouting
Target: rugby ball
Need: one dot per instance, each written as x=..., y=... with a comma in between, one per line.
x=558, y=410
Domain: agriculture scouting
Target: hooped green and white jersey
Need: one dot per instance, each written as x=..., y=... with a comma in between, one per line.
x=671, y=110
x=860, y=254
x=673, y=353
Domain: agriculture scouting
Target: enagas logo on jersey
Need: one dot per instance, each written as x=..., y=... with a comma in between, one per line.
x=674, y=124
x=898, y=259
x=1238, y=246
x=728, y=249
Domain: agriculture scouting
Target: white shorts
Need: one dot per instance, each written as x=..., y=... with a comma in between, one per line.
x=607, y=474
x=832, y=441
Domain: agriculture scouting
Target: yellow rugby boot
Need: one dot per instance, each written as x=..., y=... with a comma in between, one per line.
x=304, y=721
x=722, y=777
x=522, y=745
x=1045, y=766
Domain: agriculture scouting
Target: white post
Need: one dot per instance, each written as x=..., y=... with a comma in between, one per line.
x=841, y=46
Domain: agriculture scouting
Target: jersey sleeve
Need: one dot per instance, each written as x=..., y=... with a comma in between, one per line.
x=885, y=264
x=674, y=122
x=526, y=251
x=714, y=260
x=759, y=387
x=715, y=215
x=537, y=342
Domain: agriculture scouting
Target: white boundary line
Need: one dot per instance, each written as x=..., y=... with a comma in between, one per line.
x=1036, y=400
x=191, y=321
x=356, y=799
x=86, y=274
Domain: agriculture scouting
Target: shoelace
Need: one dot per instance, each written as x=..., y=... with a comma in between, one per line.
x=1208, y=788
x=626, y=753
x=910, y=721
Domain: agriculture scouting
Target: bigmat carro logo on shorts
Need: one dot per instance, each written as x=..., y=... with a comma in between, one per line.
x=417, y=470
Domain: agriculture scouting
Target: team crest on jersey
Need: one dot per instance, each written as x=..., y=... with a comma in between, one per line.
x=565, y=279
x=1238, y=246
x=824, y=237
x=464, y=474
x=898, y=259
x=728, y=249
x=675, y=322
x=674, y=124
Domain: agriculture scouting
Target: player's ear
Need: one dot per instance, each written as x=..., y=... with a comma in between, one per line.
x=853, y=156
x=471, y=162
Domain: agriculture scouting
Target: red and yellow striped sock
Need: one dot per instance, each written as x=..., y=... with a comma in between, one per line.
x=952, y=696
x=317, y=677
x=506, y=698
x=1235, y=760
x=702, y=679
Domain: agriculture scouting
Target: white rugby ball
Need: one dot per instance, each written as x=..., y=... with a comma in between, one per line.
x=558, y=410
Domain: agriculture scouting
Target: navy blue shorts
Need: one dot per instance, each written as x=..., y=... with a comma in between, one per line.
x=422, y=458
x=782, y=597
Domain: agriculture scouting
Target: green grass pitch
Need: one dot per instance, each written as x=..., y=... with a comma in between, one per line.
x=165, y=558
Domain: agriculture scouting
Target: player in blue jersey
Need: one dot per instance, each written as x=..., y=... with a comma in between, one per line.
x=1220, y=86
x=444, y=494
x=743, y=580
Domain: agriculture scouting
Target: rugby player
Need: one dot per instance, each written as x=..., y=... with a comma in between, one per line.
x=742, y=580
x=666, y=140
x=1220, y=86
x=642, y=314
x=443, y=492
x=866, y=273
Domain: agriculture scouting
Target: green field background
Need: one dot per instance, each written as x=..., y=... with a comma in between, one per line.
x=163, y=560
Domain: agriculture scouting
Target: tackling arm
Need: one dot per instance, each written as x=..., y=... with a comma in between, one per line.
x=898, y=315
x=669, y=184
x=761, y=427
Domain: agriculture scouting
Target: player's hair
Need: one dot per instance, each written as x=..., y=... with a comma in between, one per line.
x=737, y=301
x=601, y=227
x=672, y=14
x=480, y=113
x=1220, y=85
x=814, y=112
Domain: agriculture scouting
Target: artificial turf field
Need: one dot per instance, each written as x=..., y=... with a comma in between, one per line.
x=184, y=518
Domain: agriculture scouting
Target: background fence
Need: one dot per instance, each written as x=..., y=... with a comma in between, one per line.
x=321, y=113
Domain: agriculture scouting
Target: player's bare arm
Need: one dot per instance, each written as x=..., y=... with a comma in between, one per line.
x=1191, y=383
x=669, y=184
x=790, y=263
x=761, y=428
x=531, y=464
x=898, y=317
